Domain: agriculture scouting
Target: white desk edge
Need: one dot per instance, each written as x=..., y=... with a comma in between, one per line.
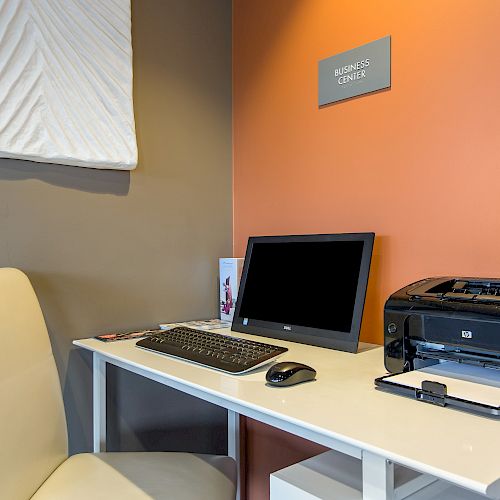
x=134, y=360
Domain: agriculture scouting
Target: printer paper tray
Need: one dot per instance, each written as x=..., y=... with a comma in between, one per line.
x=452, y=384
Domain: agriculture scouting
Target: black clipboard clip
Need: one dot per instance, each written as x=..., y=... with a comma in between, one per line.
x=432, y=392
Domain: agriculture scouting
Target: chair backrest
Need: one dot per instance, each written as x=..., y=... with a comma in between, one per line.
x=33, y=439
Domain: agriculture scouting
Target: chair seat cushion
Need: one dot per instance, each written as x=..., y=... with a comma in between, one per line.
x=141, y=476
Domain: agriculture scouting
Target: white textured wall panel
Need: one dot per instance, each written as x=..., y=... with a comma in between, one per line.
x=66, y=82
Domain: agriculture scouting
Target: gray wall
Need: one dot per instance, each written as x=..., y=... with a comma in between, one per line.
x=110, y=250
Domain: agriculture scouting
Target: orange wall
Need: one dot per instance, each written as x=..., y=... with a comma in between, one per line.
x=418, y=164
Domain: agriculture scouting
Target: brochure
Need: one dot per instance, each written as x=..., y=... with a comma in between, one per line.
x=202, y=324
x=113, y=337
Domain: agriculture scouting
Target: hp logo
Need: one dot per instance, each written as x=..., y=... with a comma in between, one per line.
x=466, y=334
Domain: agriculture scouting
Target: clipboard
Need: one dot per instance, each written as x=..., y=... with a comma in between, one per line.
x=456, y=385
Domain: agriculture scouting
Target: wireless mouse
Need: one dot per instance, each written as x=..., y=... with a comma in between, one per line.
x=289, y=373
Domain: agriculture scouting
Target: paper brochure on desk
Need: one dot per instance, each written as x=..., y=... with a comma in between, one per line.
x=453, y=384
x=229, y=283
x=200, y=324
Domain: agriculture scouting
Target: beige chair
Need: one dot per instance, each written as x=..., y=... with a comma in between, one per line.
x=33, y=449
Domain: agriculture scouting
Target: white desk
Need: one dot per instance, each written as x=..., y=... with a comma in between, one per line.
x=341, y=410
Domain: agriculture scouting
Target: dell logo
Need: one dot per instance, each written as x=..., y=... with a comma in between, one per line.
x=466, y=334
x=287, y=328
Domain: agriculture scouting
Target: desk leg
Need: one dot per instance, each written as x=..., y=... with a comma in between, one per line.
x=234, y=445
x=378, y=477
x=99, y=402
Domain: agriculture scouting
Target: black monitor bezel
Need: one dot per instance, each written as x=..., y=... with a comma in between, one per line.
x=331, y=339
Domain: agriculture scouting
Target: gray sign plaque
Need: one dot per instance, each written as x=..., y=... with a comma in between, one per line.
x=355, y=72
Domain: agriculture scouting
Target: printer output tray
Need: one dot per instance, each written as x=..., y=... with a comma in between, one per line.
x=453, y=384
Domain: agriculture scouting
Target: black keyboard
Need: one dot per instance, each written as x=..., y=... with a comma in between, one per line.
x=230, y=354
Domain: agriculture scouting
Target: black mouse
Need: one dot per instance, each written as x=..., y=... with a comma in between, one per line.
x=289, y=373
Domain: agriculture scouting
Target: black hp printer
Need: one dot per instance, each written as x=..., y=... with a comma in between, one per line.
x=440, y=324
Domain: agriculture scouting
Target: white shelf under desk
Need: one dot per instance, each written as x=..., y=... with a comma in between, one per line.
x=334, y=476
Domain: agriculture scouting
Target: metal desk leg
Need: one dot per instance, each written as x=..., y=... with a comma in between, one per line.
x=378, y=477
x=99, y=402
x=234, y=445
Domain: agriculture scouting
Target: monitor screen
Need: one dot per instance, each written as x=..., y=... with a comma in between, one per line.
x=308, y=288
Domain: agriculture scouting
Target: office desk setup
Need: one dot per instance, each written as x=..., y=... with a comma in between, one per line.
x=341, y=410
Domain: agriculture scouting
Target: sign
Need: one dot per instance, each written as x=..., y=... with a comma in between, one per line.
x=355, y=72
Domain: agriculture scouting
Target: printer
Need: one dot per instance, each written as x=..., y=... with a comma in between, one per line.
x=438, y=323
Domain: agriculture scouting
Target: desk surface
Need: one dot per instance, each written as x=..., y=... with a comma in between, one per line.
x=342, y=404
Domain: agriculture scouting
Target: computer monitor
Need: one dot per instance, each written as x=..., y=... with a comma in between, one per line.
x=309, y=288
